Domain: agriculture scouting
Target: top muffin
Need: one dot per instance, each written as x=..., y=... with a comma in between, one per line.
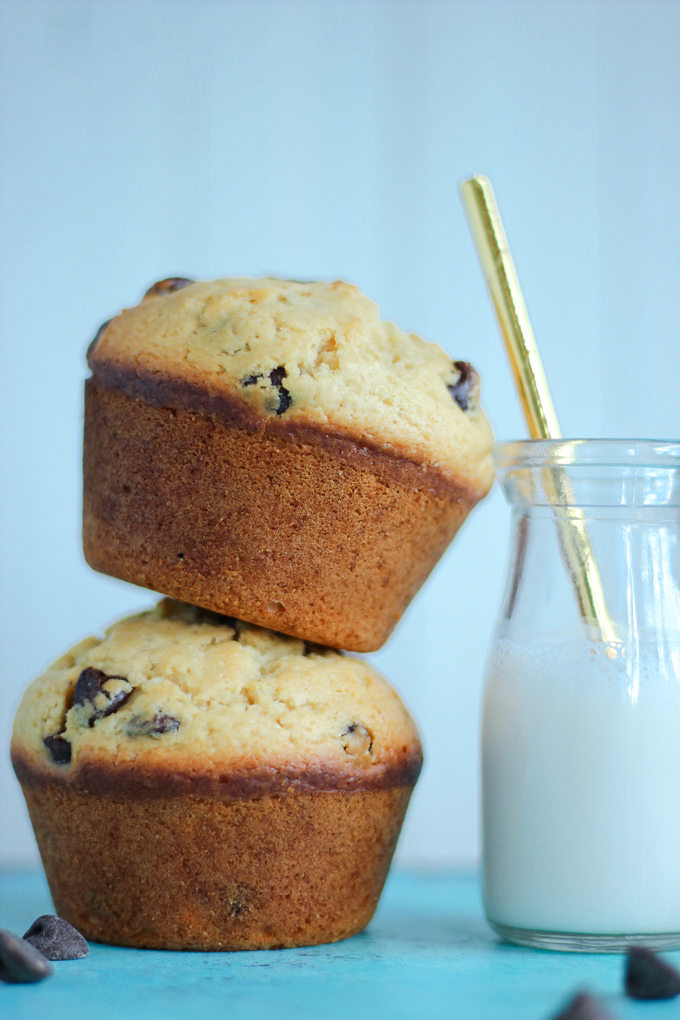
x=314, y=354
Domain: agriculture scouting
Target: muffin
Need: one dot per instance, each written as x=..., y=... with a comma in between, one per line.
x=195, y=782
x=272, y=450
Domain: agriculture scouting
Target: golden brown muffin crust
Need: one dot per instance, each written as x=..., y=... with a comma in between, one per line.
x=163, y=391
x=323, y=539
x=314, y=354
x=192, y=873
x=153, y=782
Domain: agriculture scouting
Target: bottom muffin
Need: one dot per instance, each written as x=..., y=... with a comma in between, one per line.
x=198, y=783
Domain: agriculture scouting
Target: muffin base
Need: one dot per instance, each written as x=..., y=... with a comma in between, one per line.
x=307, y=534
x=190, y=873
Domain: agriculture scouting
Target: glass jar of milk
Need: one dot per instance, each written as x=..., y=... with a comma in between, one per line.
x=581, y=723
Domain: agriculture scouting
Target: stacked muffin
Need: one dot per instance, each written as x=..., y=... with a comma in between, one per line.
x=270, y=452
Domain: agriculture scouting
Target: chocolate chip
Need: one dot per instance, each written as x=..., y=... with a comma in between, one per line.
x=356, y=740
x=168, y=286
x=465, y=386
x=20, y=962
x=59, y=748
x=583, y=1007
x=56, y=939
x=154, y=726
x=650, y=977
x=99, y=694
x=238, y=902
x=93, y=342
x=275, y=377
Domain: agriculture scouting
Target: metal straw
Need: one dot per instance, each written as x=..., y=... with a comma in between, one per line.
x=520, y=344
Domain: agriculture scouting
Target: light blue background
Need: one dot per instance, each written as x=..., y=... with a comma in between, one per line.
x=327, y=139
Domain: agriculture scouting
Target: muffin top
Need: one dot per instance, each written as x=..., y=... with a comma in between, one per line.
x=179, y=699
x=285, y=353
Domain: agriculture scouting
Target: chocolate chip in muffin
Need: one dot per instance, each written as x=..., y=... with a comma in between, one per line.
x=20, y=962
x=648, y=976
x=56, y=939
x=151, y=726
x=356, y=740
x=168, y=286
x=98, y=695
x=466, y=386
x=59, y=748
x=276, y=377
x=95, y=339
x=238, y=902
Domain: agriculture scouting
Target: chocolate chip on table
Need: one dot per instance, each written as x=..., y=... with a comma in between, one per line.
x=356, y=740
x=583, y=1007
x=59, y=748
x=151, y=726
x=462, y=390
x=99, y=693
x=56, y=939
x=168, y=286
x=20, y=962
x=648, y=976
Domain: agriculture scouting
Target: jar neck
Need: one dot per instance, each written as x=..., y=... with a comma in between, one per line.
x=593, y=517
x=637, y=570
x=599, y=477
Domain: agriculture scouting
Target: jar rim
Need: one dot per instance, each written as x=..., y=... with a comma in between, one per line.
x=539, y=453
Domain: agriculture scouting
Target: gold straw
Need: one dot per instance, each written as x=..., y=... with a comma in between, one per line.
x=520, y=344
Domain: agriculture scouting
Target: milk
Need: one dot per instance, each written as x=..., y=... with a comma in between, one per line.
x=581, y=787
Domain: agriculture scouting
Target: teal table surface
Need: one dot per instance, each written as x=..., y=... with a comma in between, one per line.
x=427, y=954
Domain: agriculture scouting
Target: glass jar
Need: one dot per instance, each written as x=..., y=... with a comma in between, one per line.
x=581, y=715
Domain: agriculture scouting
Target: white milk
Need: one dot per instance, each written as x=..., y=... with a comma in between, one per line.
x=581, y=788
